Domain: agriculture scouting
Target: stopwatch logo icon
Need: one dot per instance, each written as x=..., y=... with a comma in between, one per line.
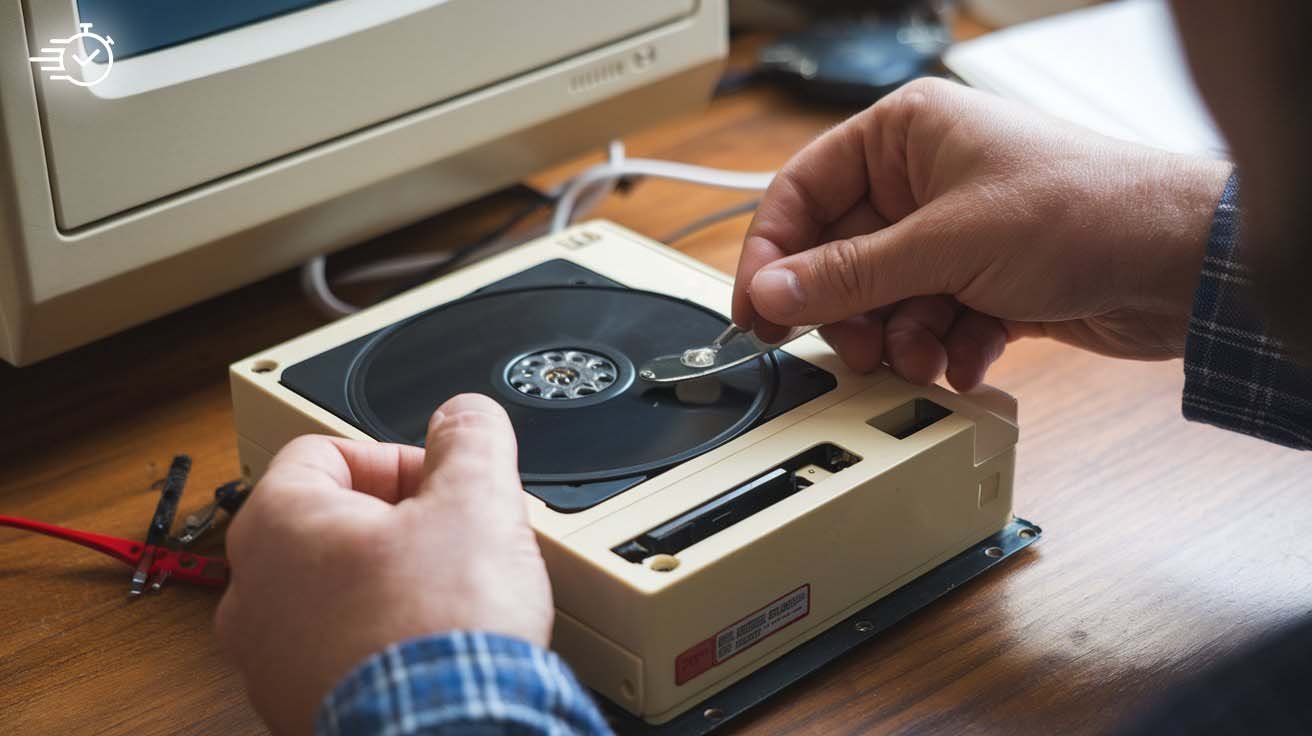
x=91, y=54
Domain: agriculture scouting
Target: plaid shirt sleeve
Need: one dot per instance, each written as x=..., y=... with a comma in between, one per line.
x=1236, y=375
x=465, y=683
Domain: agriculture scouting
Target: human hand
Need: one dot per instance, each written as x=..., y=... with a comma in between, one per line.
x=941, y=223
x=346, y=547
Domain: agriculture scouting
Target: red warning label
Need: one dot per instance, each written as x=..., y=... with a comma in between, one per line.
x=746, y=633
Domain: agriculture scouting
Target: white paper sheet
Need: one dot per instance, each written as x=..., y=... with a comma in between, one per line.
x=1116, y=68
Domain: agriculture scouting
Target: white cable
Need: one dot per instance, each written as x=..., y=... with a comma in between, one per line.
x=575, y=198
x=570, y=196
x=401, y=266
x=389, y=269
x=593, y=194
x=616, y=152
x=314, y=281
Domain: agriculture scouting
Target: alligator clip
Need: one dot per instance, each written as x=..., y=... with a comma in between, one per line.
x=229, y=497
x=164, y=564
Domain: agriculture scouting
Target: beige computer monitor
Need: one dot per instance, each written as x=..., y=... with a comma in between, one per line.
x=197, y=168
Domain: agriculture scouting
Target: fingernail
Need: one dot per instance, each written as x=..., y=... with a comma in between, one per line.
x=435, y=420
x=777, y=291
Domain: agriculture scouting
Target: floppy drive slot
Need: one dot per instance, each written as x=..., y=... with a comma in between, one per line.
x=727, y=509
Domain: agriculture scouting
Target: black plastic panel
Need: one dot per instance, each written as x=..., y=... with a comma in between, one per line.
x=785, y=382
x=765, y=490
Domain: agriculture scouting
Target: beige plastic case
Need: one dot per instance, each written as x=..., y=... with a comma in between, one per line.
x=660, y=636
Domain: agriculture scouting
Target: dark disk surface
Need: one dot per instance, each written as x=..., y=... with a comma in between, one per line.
x=620, y=427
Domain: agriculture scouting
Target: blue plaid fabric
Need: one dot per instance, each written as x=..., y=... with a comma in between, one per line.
x=464, y=683
x=1236, y=375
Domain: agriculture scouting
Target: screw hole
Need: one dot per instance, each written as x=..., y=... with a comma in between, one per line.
x=714, y=715
x=264, y=366
x=663, y=563
x=865, y=627
x=1026, y=534
x=994, y=552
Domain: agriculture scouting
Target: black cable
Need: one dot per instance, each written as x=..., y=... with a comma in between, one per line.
x=737, y=80
x=540, y=201
x=741, y=208
x=623, y=186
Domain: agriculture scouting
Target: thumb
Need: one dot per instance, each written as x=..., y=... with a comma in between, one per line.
x=470, y=454
x=852, y=276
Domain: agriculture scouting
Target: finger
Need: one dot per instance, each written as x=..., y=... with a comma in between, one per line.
x=225, y=619
x=314, y=475
x=756, y=254
x=859, y=341
x=913, y=338
x=1018, y=330
x=470, y=452
x=925, y=253
x=860, y=219
x=865, y=158
x=975, y=341
x=386, y=471
x=819, y=184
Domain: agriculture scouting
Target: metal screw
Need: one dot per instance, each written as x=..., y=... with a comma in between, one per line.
x=714, y=715
x=994, y=552
x=647, y=374
x=1026, y=534
x=865, y=627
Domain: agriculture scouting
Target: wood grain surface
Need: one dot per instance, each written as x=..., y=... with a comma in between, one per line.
x=1166, y=544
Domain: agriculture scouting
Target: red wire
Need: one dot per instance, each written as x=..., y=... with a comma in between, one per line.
x=182, y=566
x=124, y=550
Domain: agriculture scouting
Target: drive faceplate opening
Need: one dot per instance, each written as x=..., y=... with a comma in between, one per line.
x=796, y=474
x=909, y=418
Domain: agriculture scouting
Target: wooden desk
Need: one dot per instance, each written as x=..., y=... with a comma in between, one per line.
x=1166, y=545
